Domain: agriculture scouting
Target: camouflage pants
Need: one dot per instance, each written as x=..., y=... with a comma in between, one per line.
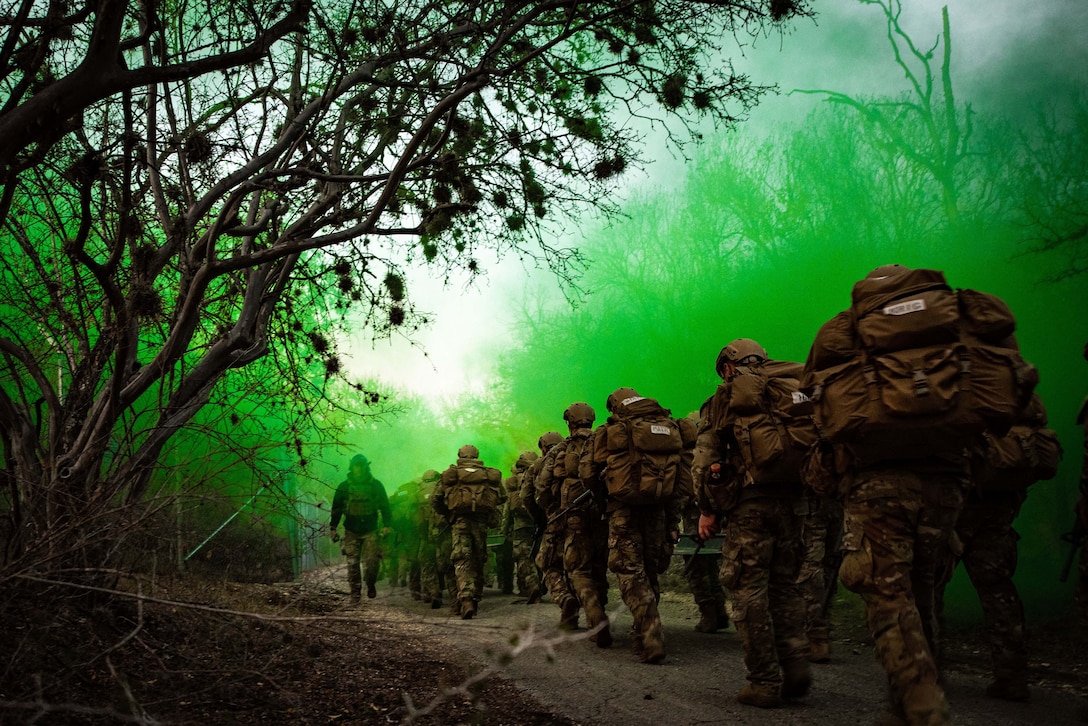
x=436, y=568
x=821, y=540
x=897, y=529
x=468, y=554
x=585, y=559
x=704, y=578
x=362, y=552
x=526, y=571
x=985, y=531
x=636, y=554
x=761, y=556
x=550, y=561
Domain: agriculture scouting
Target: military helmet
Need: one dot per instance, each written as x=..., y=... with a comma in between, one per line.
x=579, y=413
x=739, y=352
x=525, y=460
x=359, y=459
x=431, y=476
x=468, y=451
x=548, y=440
x=620, y=395
x=887, y=271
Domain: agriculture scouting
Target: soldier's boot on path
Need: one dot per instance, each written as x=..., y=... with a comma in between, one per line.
x=926, y=705
x=534, y=596
x=568, y=614
x=595, y=616
x=708, y=617
x=468, y=608
x=760, y=696
x=355, y=596
x=721, y=615
x=796, y=679
x=436, y=603
x=819, y=650
x=455, y=608
x=653, y=644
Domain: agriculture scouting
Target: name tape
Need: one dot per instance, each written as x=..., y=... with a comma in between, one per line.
x=657, y=429
x=906, y=308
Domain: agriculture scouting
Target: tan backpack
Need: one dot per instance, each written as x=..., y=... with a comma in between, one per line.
x=472, y=488
x=1028, y=453
x=644, y=453
x=767, y=421
x=915, y=368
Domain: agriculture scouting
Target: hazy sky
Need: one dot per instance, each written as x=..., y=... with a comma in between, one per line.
x=1008, y=58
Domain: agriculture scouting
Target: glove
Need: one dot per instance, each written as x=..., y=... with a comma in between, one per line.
x=334, y=535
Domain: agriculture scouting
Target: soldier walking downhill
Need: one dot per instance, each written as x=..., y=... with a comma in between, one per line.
x=519, y=528
x=359, y=500
x=755, y=485
x=470, y=495
x=643, y=457
x=886, y=378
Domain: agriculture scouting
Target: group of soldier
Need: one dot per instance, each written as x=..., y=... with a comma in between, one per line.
x=890, y=528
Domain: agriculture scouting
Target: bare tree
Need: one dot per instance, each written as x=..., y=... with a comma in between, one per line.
x=184, y=179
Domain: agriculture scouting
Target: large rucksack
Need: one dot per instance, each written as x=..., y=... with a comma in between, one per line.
x=567, y=462
x=1028, y=453
x=472, y=488
x=767, y=420
x=915, y=368
x=644, y=451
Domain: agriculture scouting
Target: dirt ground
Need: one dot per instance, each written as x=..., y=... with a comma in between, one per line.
x=193, y=652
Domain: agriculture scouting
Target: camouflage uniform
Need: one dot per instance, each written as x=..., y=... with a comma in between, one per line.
x=762, y=551
x=468, y=530
x=543, y=503
x=898, y=523
x=519, y=528
x=704, y=580
x=359, y=499
x=639, y=543
x=985, y=533
x=821, y=542
x=585, y=550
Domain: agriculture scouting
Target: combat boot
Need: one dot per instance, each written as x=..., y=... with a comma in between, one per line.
x=760, y=696
x=819, y=650
x=534, y=597
x=721, y=615
x=595, y=616
x=468, y=608
x=708, y=618
x=436, y=603
x=653, y=645
x=925, y=705
x=371, y=591
x=1009, y=689
x=568, y=617
x=796, y=679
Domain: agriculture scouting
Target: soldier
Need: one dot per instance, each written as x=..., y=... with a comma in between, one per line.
x=435, y=544
x=761, y=552
x=543, y=504
x=640, y=458
x=359, y=499
x=883, y=378
x=585, y=552
x=702, y=575
x=470, y=495
x=821, y=545
x=519, y=528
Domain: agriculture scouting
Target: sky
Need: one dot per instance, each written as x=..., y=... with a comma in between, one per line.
x=1007, y=57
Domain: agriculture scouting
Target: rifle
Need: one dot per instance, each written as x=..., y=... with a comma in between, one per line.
x=699, y=542
x=1077, y=539
x=576, y=504
x=538, y=537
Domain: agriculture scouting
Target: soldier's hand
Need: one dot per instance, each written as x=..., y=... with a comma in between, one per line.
x=385, y=531
x=708, y=526
x=333, y=534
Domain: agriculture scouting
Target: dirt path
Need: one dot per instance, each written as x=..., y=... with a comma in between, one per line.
x=698, y=682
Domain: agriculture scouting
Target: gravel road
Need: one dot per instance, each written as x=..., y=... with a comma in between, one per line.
x=698, y=682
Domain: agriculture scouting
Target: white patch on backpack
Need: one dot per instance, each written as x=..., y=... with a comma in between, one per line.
x=799, y=397
x=469, y=469
x=656, y=429
x=906, y=308
x=632, y=399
